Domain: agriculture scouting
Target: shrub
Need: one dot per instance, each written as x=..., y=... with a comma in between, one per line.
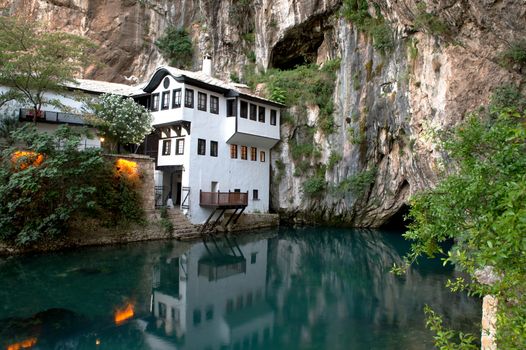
x=429, y=22
x=176, y=47
x=357, y=184
x=44, y=187
x=481, y=207
x=334, y=159
x=514, y=55
x=314, y=186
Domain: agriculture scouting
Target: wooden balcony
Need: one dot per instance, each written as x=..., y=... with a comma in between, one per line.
x=223, y=199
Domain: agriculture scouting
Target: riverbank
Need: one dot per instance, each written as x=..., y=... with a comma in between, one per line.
x=89, y=232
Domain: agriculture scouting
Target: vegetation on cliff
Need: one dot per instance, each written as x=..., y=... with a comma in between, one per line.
x=481, y=205
x=176, y=47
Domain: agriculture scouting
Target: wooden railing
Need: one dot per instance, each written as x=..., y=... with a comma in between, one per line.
x=26, y=114
x=223, y=198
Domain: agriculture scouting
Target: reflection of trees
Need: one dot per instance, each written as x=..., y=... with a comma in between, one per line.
x=335, y=284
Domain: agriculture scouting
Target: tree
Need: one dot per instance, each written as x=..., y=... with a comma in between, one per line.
x=34, y=61
x=176, y=47
x=481, y=207
x=120, y=120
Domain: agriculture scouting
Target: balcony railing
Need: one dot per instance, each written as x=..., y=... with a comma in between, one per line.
x=51, y=117
x=223, y=199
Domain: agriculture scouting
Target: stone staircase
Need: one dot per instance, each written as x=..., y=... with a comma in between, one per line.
x=183, y=228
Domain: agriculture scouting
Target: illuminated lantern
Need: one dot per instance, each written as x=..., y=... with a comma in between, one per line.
x=127, y=168
x=24, y=159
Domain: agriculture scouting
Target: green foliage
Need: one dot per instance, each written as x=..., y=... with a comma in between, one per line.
x=514, y=55
x=304, y=150
x=120, y=119
x=34, y=61
x=302, y=86
x=356, y=184
x=176, y=47
x=357, y=12
x=251, y=55
x=280, y=167
x=8, y=125
x=234, y=77
x=314, y=186
x=334, y=159
x=356, y=80
x=445, y=339
x=165, y=222
x=481, y=206
x=47, y=187
x=429, y=22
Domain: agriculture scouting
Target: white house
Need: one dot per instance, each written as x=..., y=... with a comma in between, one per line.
x=72, y=99
x=211, y=297
x=213, y=142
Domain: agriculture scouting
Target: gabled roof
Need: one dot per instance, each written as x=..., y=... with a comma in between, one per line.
x=204, y=81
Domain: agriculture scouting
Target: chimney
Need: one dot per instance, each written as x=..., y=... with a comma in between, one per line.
x=207, y=65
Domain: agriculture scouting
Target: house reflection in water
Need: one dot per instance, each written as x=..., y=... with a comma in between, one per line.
x=211, y=297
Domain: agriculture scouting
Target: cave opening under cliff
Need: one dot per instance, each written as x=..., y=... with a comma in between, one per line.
x=397, y=221
x=299, y=45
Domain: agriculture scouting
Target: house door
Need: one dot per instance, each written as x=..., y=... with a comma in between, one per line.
x=178, y=195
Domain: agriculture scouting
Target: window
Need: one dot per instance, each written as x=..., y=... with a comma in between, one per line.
x=201, y=147
x=213, y=148
x=209, y=313
x=273, y=116
x=167, y=145
x=261, y=115
x=262, y=156
x=243, y=112
x=244, y=152
x=229, y=306
x=214, y=104
x=155, y=102
x=189, y=98
x=165, y=100
x=197, y=317
x=233, y=151
x=255, y=195
x=162, y=310
x=253, y=111
x=201, y=101
x=179, y=146
x=176, y=98
x=253, y=256
x=239, y=302
x=231, y=108
x=253, y=153
x=166, y=82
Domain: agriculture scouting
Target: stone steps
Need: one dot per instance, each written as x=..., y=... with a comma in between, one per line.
x=183, y=228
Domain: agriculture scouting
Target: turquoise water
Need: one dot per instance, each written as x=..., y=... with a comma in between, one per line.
x=311, y=288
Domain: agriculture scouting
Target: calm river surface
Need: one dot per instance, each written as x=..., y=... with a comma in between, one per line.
x=310, y=288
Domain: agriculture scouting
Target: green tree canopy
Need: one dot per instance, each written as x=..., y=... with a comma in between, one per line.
x=481, y=206
x=34, y=61
x=120, y=119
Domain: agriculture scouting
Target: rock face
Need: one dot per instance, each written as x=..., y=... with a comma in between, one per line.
x=389, y=103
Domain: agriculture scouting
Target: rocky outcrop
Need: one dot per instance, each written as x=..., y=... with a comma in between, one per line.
x=444, y=62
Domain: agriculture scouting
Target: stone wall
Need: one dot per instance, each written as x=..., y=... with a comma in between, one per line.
x=146, y=167
x=253, y=221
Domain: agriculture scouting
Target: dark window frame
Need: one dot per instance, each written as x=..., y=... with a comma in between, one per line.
x=201, y=147
x=167, y=147
x=244, y=152
x=178, y=150
x=214, y=106
x=273, y=116
x=253, y=154
x=154, y=105
x=243, y=109
x=261, y=114
x=233, y=154
x=201, y=104
x=176, y=98
x=231, y=107
x=253, y=112
x=214, y=148
x=167, y=100
x=262, y=156
x=189, y=98
x=255, y=195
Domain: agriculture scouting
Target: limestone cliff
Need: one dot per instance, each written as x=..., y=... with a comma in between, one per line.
x=386, y=103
